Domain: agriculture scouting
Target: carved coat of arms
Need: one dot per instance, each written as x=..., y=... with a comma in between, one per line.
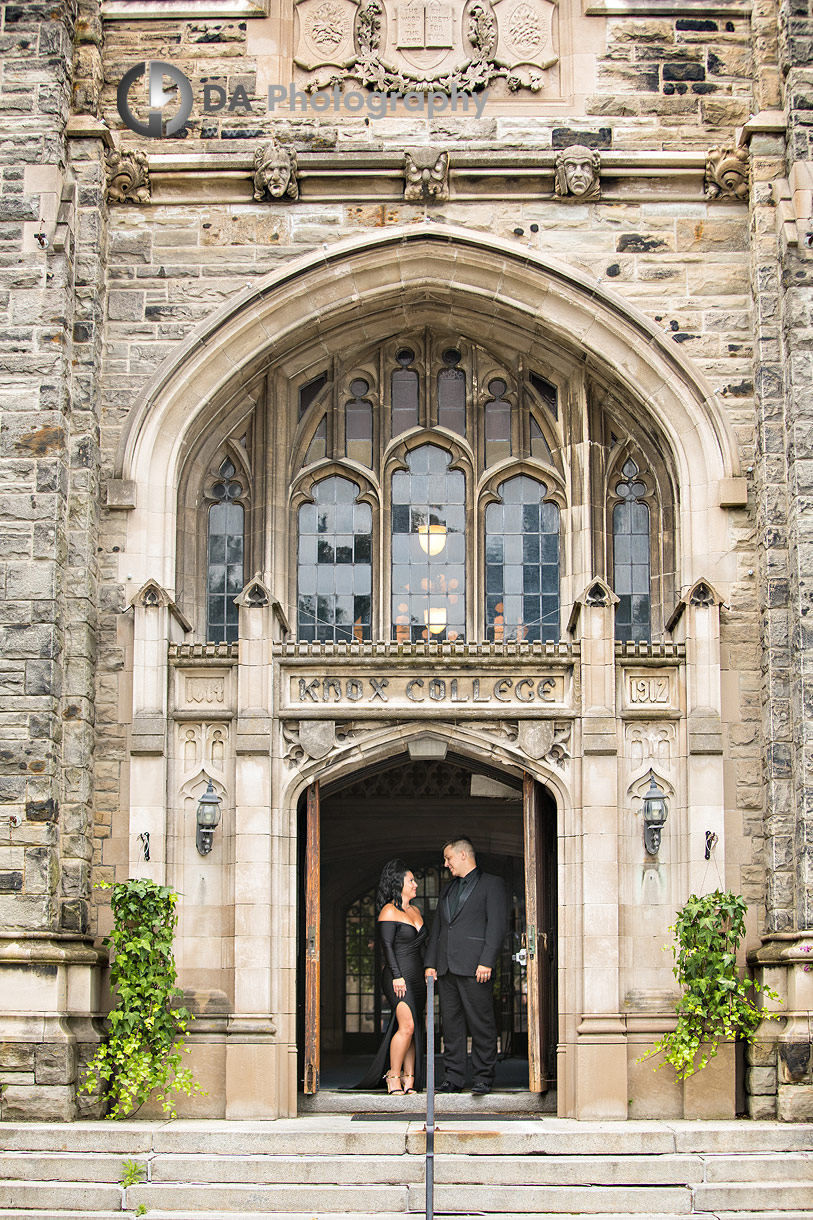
x=423, y=45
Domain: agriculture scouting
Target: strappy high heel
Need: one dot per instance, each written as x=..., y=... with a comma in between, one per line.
x=408, y=1088
x=394, y=1076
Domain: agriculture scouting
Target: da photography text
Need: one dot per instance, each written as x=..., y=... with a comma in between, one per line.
x=285, y=98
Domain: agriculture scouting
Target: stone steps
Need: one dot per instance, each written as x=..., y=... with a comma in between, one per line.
x=324, y=1166
x=661, y=1170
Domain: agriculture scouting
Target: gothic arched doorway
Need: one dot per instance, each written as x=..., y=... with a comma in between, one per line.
x=408, y=808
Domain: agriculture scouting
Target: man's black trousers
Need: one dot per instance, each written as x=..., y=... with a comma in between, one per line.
x=467, y=1008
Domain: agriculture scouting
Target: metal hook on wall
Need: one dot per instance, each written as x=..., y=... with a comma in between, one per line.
x=144, y=838
x=711, y=843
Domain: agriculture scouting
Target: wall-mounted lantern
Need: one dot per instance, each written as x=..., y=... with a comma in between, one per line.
x=208, y=818
x=655, y=813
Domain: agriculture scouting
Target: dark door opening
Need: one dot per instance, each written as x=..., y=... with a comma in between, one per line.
x=408, y=809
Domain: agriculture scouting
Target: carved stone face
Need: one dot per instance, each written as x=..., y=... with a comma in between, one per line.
x=578, y=165
x=277, y=173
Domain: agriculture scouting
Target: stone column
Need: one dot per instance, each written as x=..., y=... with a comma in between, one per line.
x=780, y=1076
x=254, y=1061
x=157, y=623
x=593, y=884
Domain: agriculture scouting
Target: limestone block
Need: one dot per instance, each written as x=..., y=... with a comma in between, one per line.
x=762, y=1107
x=38, y=1102
x=54, y=1063
x=711, y=1093
x=795, y=1103
x=760, y=1080
x=794, y=1062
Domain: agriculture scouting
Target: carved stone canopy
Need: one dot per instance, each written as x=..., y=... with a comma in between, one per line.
x=275, y=171
x=426, y=175
x=727, y=173
x=578, y=173
x=128, y=176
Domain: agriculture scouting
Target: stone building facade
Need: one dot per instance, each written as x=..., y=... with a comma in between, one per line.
x=404, y=417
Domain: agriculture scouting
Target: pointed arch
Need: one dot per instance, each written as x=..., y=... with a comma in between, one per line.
x=511, y=295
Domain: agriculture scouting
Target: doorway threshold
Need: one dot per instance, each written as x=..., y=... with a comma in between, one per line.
x=504, y=1102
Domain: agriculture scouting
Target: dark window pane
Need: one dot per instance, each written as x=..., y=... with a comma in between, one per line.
x=224, y=569
x=631, y=558
x=520, y=534
x=452, y=400
x=309, y=392
x=404, y=399
x=343, y=571
x=428, y=563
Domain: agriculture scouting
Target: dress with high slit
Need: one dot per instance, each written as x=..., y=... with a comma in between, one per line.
x=402, y=947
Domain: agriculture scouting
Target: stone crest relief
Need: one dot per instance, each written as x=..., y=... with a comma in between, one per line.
x=423, y=45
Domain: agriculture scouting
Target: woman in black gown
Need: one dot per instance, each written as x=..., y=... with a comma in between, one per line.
x=402, y=937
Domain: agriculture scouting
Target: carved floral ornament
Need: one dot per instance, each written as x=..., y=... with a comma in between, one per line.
x=128, y=176
x=420, y=45
x=307, y=741
x=727, y=173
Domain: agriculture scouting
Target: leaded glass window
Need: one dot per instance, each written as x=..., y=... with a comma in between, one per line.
x=405, y=394
x=335, y=564
x=498, y=423
x=631, y=558
x=358, y=422
x=428, y=548
x=224, y=555
x=452, y=393
x=522, y=563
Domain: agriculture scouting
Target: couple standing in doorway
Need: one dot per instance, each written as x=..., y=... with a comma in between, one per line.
x=460, y=951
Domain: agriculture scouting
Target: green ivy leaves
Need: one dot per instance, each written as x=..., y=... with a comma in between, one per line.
x=716, y=1004
x=147, y=1027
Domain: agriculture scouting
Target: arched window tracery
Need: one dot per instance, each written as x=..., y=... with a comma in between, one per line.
x=498, y=429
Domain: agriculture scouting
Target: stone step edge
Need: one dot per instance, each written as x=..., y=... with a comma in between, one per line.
x=49, y=1214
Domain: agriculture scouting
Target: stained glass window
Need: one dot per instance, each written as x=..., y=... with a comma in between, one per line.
x=522, y=563
x=498, y=423
x=631, y=562
x=224, y=554
x=335, y=564
x=358, y=422
x=428, y=548
x=405, y=399
x=452, y=393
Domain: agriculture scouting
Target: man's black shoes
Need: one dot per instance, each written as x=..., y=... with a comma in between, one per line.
x=448, y=1087
x=480, y=1088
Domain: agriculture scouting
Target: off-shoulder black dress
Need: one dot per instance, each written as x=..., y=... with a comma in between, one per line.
x=402, y=947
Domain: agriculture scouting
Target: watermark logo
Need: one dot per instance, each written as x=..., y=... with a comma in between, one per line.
x=155, y=73
x=375, y=104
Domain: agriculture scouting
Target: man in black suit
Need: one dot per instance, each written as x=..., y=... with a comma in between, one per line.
x=467, y=934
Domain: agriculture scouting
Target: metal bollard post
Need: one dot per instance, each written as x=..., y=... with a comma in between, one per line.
x=430, y=1098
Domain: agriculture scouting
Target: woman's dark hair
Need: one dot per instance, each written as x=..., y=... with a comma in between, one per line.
x=390, y=884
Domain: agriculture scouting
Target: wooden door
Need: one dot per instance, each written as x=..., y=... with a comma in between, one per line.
x=539, y=914
x=312, y=930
